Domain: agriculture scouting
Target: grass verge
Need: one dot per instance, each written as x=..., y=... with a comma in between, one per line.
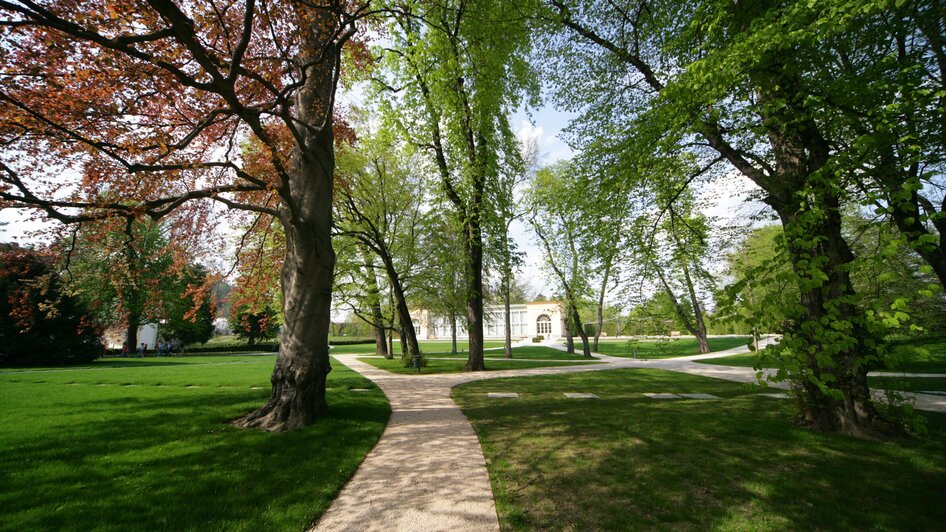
x=426, y=347
x=650, y=349
x=627, y=462
x=435, y=365
x=527, y=352
x=148, y=446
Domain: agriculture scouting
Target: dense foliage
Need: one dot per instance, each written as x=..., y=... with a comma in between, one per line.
x=40, y=323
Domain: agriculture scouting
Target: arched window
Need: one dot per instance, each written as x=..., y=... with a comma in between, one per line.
x=543, y=325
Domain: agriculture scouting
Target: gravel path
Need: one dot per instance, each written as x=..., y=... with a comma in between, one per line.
x=427, y=471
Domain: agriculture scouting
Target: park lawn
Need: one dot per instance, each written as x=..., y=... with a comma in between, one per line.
x=150, y=447
x=426, y=347
x=527, y=352
x=455, y=365
x=650, y=349
x=135, y=362
x=627, y=462
x=908, y=384
x=911, y=355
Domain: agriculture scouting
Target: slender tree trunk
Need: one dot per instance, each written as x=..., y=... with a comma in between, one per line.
x=604, y=287
x=408, y=334
x=569, y=338
x=390, y=343
x=700, y=324
x=755, y=330
x=453, y=333
x=506, y=314
x=302, y=366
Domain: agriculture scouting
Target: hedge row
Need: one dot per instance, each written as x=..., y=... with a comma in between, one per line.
x=264, y=346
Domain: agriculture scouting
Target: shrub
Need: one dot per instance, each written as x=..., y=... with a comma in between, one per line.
x=40, y=324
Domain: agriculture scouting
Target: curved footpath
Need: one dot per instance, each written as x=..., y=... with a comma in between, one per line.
x=427, y=471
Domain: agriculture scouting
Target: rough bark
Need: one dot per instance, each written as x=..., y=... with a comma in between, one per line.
x=474, y=305
x=298, y=380
x=820, y=258
x=131, y=333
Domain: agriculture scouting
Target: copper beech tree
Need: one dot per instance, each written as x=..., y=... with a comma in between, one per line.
x=127, y=108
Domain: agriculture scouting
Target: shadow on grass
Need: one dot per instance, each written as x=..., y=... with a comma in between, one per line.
x=167, y=459
x=628, y=462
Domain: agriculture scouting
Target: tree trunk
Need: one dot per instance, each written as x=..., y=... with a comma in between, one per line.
x=474, y=306
x=576, y=321
x=302, y=366
x=131, y=333
x=569, y=337
x=374, y=302
x=604, y=287
x=508, y=344
x=829, y=301
x=409, y=347
x=453, y=333
x=700, y=328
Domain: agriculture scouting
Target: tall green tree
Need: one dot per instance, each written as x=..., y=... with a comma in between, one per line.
x=381, y=204
x=454, y=72
x=557, y=202
x=126, y=270
x=731, y=83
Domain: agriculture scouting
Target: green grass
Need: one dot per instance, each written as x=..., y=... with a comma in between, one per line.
x=649, y=349
x=527, y=352
x=909, y=355
x=426, y=347
x=908, y=384
x=745, y=360
x=456, y=365
x=626, y=462
x=145, y=444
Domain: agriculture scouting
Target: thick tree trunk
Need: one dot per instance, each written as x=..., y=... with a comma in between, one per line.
x=131, y=333
x=830, y=302
x=700, y=327
x=474, y=305
x=298, y=380
x=380, y=342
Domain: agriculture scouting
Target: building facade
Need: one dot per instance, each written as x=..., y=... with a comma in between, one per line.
x=526, y=320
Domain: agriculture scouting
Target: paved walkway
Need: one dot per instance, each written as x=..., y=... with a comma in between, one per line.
x=427, y=471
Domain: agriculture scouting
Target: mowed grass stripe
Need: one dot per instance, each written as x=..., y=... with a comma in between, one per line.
x=144, y=452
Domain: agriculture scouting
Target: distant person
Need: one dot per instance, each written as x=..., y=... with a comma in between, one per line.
x=142, y=349
x=124, y=349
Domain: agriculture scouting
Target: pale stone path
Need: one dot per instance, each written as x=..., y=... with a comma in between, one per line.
x=427, y=471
